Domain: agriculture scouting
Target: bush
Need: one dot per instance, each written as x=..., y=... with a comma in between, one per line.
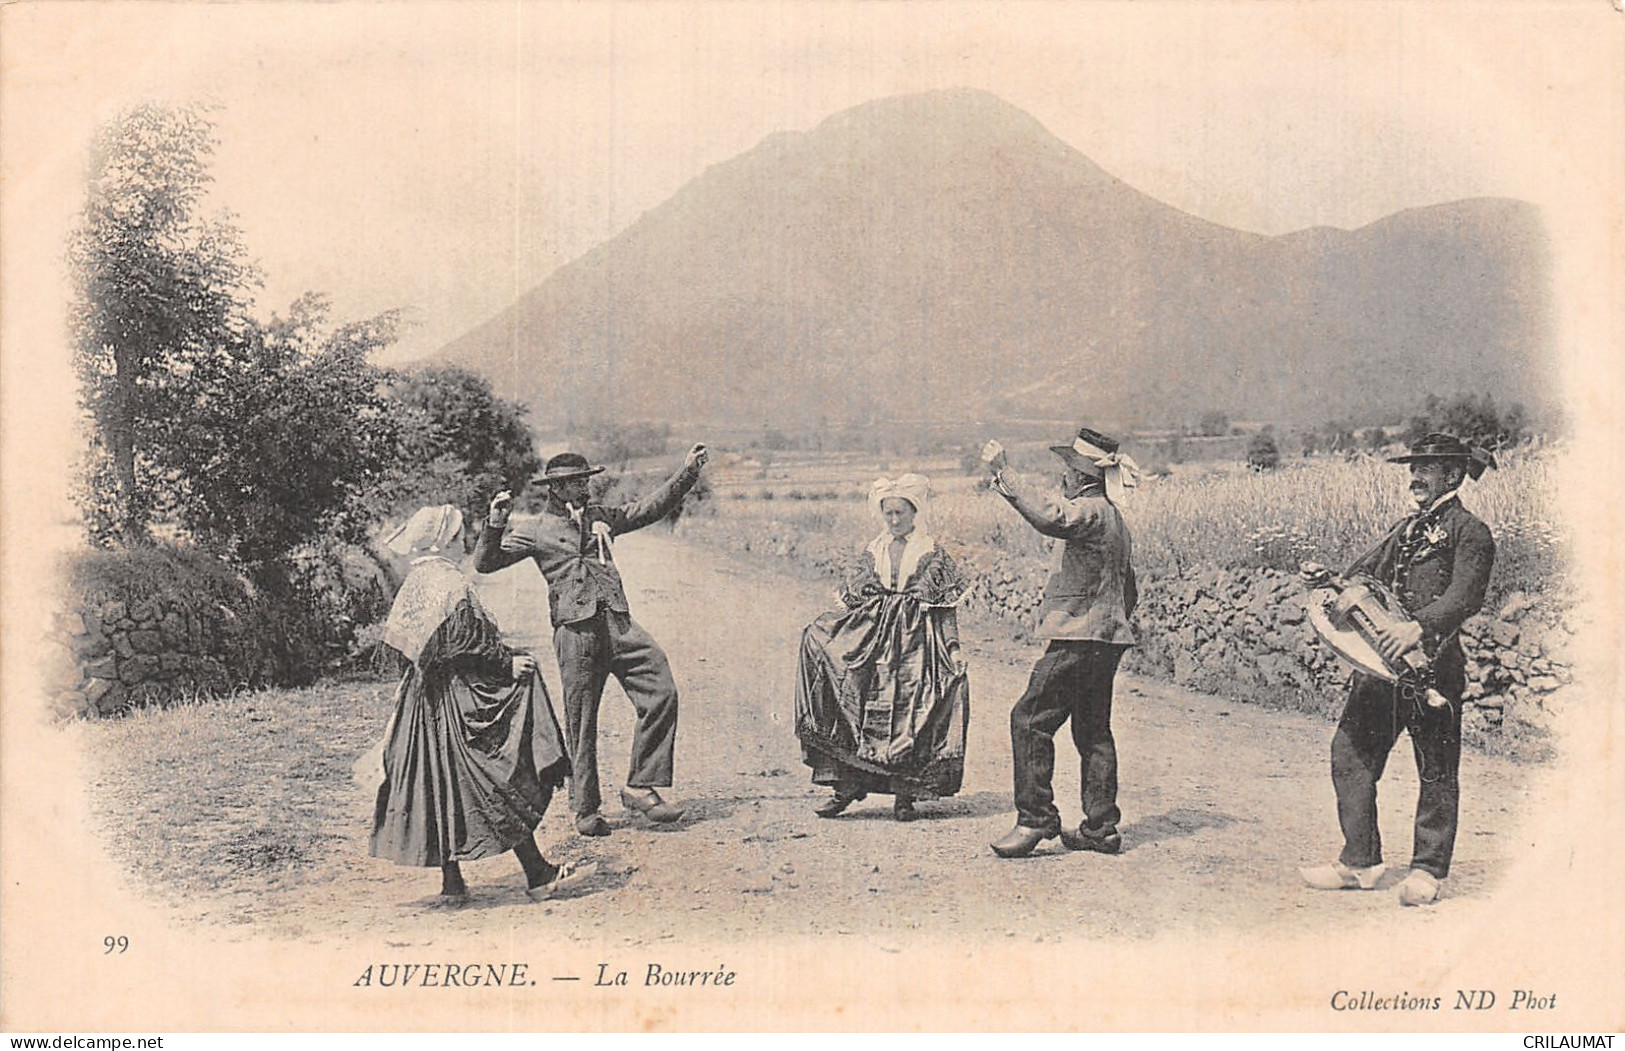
x=1212, y=424
x=459, y=443
x=1262, y=453
x=192, y=577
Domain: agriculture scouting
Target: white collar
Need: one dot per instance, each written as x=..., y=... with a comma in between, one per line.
x=916, y=545
x=1442, y=500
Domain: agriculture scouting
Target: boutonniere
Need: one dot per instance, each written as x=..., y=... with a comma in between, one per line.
x=1435, y=535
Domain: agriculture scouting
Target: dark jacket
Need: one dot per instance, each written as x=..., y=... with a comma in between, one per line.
x=567, y=552
x=1439, y=569
x=1092, y=592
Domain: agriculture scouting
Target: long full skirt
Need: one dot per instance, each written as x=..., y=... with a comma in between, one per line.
x=879, y=704
x=469, y=767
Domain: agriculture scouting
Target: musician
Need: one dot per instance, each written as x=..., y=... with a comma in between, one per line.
x=1437, y=562
x=1084, y=618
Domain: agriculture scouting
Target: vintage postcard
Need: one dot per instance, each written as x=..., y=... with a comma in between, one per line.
x=812, y=516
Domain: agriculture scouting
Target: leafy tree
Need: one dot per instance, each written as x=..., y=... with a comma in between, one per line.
x=160, y=293
x=1474, y=419
x=617, y=445
x=459, y=442
x=288, y=442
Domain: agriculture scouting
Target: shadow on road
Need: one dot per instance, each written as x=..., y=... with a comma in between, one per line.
x=1181, y=821
x=978, y=804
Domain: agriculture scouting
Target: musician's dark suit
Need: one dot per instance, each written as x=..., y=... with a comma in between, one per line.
x=1438, y=564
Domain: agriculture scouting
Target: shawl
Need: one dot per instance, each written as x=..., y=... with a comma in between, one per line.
x=431, y=593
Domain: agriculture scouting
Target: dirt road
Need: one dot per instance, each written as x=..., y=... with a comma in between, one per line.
x=1222, y=802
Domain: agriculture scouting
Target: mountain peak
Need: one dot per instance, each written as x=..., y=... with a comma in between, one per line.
x=941, y=255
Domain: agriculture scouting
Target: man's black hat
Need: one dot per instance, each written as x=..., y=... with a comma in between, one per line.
x=565, y=466
x=1439, y=446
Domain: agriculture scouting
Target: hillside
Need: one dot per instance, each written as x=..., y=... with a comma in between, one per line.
x=943, y=256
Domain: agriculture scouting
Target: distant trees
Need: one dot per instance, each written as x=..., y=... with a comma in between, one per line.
x=1262, y=452
x=618, y=444
x=1213, y=424
x=1474, y=419
x=1333, y=437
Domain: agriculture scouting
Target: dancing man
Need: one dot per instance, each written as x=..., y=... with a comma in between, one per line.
x=1084, y=616
x=594, y=634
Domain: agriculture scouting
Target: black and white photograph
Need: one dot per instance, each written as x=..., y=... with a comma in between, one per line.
x=803, y=517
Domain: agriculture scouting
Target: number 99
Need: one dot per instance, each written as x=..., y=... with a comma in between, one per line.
x=110, y=944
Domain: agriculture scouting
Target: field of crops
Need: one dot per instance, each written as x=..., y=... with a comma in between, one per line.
x=1328, y=509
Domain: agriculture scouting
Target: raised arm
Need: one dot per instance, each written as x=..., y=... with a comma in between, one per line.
x=660, y=503
x=1045, y=514
x=490, y=553
x=1057, y=518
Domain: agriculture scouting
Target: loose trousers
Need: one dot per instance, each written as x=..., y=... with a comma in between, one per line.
x=1375, y=713
x=1072, y=680
x=589, y=652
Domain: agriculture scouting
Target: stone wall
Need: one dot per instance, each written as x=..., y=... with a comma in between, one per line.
x=1245, y=633
x=109, y=656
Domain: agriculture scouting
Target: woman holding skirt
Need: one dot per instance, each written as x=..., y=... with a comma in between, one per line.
x=473, y=752
x=882, y=698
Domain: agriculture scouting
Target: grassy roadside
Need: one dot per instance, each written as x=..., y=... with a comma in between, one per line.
x=235, y=791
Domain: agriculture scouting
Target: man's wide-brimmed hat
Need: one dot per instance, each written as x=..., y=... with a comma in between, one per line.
x=1096, y=454
x=1440, y=446
x=565, y=466
x=1086, y=448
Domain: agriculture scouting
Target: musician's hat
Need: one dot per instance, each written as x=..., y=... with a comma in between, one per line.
x=1437, y=446
x=565, y=466
x=1089, y=447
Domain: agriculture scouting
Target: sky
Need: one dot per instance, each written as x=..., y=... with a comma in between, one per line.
x=446, y=158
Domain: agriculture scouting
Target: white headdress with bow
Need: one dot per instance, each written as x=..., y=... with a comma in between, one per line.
x=1118, y=470
x=915, y=488
x=428, y=530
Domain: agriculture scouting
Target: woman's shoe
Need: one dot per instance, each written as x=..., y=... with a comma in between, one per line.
x=647, y=801
x=1338, y=876
x=569, y=874
x=836, y=805
x=902, y=809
